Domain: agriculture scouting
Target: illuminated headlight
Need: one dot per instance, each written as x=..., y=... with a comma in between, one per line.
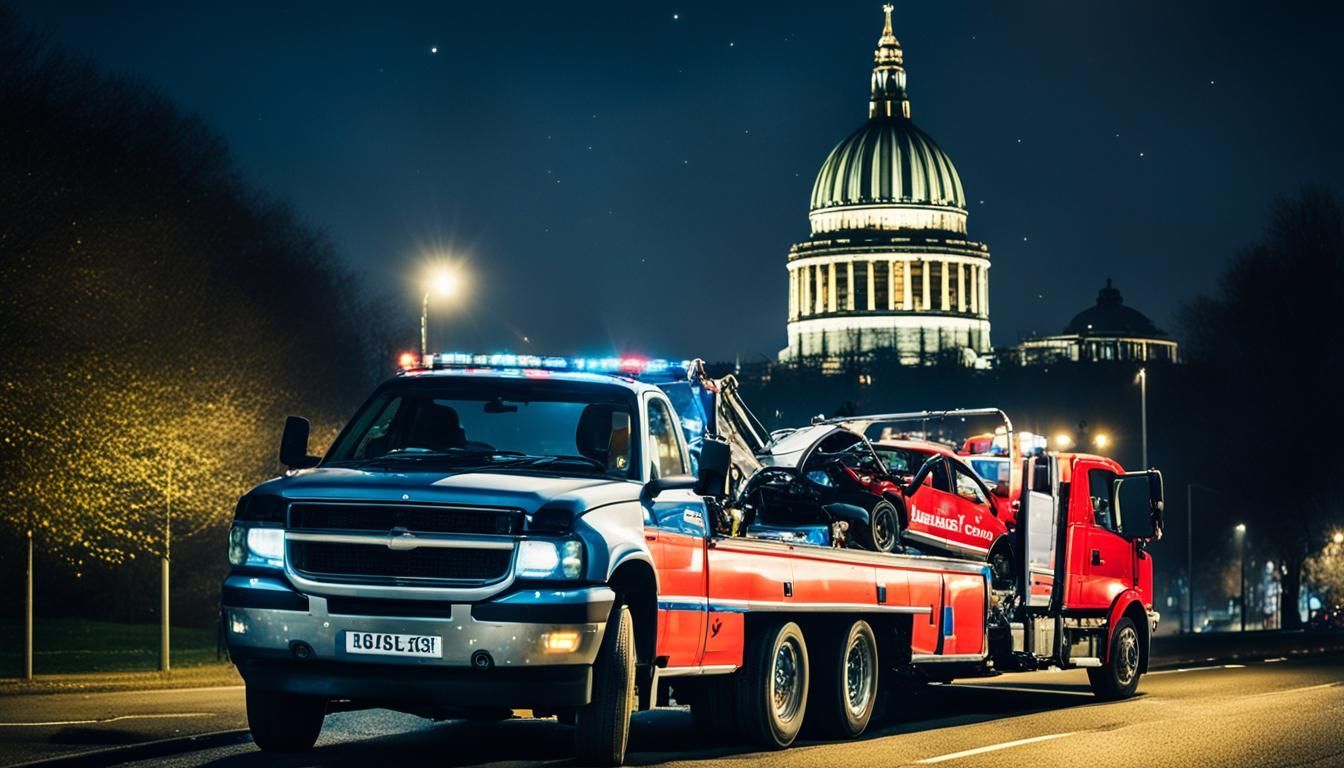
x=256, y=546
x=540, y=559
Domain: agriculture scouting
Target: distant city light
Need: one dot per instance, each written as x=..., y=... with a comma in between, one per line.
x=1338, y=538
x=1241, y=527
x=435, y=49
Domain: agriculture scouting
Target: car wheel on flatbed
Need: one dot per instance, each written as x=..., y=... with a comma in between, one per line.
x=282, y=722
x=884, y=528
x=844, y=693
x=772, y=685
x=602, y=728
x=1118, y=677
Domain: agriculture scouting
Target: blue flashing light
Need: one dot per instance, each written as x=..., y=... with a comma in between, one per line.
x=628, y=366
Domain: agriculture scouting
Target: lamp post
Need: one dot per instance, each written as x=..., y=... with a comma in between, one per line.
x=164, y=652
x=1143, y=415
x=28, y=613
x=1241, y=535
x=444, y=282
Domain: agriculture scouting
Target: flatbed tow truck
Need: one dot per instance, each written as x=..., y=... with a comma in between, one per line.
x=497, y=533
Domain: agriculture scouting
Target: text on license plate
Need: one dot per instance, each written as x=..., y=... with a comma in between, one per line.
x=384, y=644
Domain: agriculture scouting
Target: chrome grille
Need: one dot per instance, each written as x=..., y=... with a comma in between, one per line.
x=417, y=518
x=374, y=563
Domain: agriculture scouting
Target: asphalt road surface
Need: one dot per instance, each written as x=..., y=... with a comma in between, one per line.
x=1284, y=712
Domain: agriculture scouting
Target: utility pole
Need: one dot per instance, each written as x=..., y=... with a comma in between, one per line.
x=1243, y=578
x=28, y=614
x=1189, y=557
x=164, y=654
x=1143, y=414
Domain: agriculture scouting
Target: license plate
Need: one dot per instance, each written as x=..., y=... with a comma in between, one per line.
x=384, y=644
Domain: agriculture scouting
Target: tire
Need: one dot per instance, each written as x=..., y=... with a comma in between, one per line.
x=283, y=722
x=1118, y=678
x=845, y=692
x=714, y=709
x=883, y=533
x=602, y=728
x=772, y=686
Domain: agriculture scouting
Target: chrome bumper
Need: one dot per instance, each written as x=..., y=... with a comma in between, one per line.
x=512, y=629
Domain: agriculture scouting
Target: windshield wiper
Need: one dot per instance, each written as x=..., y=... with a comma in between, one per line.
x=524, y=460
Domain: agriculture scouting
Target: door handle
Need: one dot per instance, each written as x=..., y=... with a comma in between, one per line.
x=1096, y=557
x=651, y=536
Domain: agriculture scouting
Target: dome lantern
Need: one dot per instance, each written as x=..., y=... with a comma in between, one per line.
x=889, y=98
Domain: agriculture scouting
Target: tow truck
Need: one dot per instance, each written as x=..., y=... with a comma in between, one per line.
x=491, y=533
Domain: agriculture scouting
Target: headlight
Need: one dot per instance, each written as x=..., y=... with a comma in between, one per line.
x=256, y=546
x=541, y=559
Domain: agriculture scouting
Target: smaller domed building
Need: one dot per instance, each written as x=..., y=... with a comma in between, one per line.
x=1106, y=331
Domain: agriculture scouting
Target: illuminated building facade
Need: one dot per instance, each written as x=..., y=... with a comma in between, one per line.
x=888, y=268
x=1107, y=331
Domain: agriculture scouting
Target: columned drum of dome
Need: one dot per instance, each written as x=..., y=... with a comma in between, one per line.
x=888, y=269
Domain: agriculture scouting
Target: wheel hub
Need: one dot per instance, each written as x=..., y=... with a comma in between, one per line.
x=785, y=685
x=858, y=675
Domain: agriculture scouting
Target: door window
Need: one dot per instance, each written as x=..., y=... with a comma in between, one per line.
x=967, y=487
x=667, y=459
x=1101, y=488
x=939, y=479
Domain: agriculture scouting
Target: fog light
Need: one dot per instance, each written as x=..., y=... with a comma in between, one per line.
x=237, y=626
x=560, y=642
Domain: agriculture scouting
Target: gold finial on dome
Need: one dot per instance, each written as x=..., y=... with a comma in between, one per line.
x=888, y=87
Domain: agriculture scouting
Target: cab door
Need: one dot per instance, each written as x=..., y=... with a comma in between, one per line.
x=1101, y=561
x=675, y=532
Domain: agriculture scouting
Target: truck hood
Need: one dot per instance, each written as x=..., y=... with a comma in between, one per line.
x=525, y=491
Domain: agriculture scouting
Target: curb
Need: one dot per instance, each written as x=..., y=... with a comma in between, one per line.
x=144, y=751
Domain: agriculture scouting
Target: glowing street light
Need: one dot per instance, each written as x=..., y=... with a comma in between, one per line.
x=1338, y=538
x=1101, y=440
x=1063, y=441
x=445, y=282
x=1241, y=527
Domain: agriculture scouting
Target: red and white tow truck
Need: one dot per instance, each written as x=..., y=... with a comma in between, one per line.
x=537, y=533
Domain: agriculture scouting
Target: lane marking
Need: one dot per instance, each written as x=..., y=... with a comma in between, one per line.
x=1197, y=669
x=101, y=720
x=1023, y=689
x=992, y=748
x=1276, y=661
x=1300, y=690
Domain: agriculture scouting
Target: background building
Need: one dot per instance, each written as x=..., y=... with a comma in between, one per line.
x=889, y=268
x=1106, y=331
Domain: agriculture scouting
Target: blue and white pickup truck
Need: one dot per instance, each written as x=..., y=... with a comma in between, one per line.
x=461, y=547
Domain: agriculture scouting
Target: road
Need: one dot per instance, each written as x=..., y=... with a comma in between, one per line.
x=1286, y=712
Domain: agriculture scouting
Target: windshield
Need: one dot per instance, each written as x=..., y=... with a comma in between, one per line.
x=526, y=423
x=993, y=470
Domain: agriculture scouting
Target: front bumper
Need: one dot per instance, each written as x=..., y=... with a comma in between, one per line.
x=278, y=644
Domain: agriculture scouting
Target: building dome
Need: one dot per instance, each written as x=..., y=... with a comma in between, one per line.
x=1110, y=317
x=887, y=161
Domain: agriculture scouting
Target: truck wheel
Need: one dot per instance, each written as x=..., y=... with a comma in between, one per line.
x=283, y=722
x=602, y=728
x=884, y=528
x=1118, y=678
x=846, y=691
x=1001, y=568
x=772, y=686
x=714, y=709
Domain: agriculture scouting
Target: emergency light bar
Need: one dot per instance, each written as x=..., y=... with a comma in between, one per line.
x=629, y=366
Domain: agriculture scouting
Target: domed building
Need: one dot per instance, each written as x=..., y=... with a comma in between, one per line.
x=1108, y=330
x=889, y=268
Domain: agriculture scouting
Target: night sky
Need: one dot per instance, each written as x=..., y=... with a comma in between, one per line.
x=630, y=177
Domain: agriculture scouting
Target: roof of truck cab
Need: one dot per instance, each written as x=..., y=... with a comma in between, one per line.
x=516, y=374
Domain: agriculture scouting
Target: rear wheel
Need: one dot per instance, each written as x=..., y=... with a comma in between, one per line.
x=845, y=693
x=884, y=528
x=1118, y=677
x=1001, y=567
x=283, y=722
x=602, y=728
x=772, y=686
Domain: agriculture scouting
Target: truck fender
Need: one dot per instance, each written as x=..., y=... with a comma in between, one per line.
x=1129, y=603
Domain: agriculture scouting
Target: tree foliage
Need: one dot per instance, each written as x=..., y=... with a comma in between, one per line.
x=158, y=316
x=1267, y=343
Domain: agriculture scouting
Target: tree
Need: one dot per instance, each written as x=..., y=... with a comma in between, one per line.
x=1324, y=570
x=1264, y=343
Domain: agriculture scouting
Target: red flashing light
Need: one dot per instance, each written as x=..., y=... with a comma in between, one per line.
x=407, y=360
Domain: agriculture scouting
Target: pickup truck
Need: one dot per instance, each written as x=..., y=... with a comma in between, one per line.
x=490, y=534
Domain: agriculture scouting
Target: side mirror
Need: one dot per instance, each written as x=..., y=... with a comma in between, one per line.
x=716, y=461
x=294, y=444
x=923, y=473
x=657, y=485
x=1156, y=501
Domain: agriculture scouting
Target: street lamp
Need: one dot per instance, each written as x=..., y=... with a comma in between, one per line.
x=1241, y=535
x=444, y=282
x=1101, y=440
x=1338, y=538
x=1143, y=415
x=1063, y=441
